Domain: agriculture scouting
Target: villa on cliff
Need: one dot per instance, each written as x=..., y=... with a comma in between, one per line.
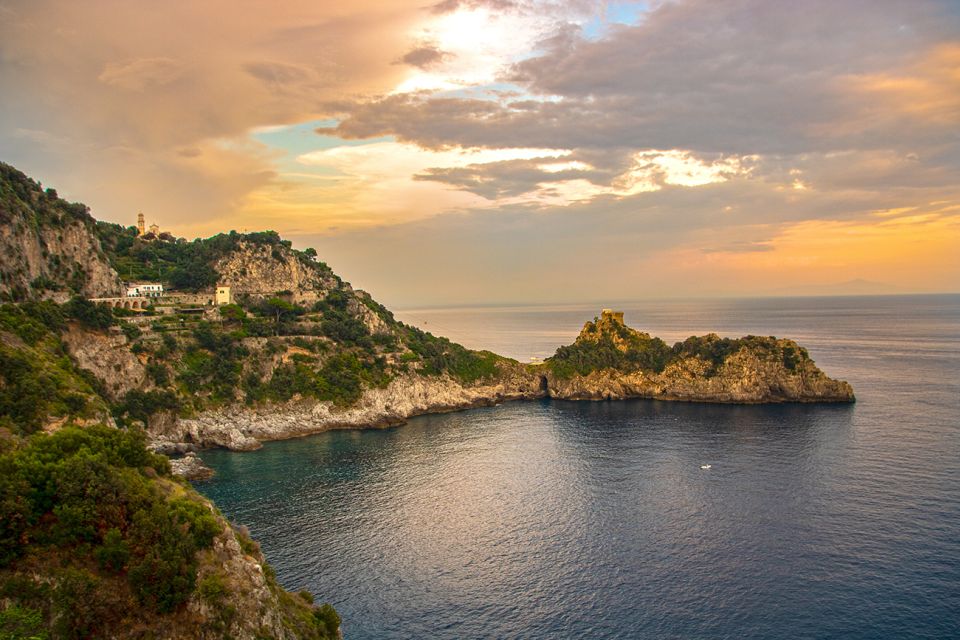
x=144, y=290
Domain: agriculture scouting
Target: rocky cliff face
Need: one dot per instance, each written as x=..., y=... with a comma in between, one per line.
x=47, y=248
x=250, y=605
x=107, y=355
x=243, y=428
x=256, y=269
x=746, y=377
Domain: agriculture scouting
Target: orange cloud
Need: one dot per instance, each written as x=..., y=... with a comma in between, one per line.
x=126, y=93
x=909, y=249
x=926, y=92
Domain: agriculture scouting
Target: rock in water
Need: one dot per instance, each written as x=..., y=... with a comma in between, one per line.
x=191, y=467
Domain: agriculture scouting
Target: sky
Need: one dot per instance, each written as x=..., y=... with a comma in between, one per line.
x=515, y=151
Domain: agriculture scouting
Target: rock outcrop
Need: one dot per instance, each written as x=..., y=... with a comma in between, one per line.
x=107, y=355
x=612, y=361
x=47, y=246
x=746, y=377
x=263, y=270
x=243, y=428
x=191, y=467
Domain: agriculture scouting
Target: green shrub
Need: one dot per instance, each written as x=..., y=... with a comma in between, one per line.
x=131, y=331
x=89, y=314
x=212, y=588
x=338, y=323
x=158, y=373
x=21, y=623
x=114, y=553
x=440, y=355
x=328, y=620
x=89, y=492
x=77, y=609
x=140, y=405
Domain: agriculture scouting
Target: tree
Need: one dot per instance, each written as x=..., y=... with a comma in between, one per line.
x=280, y=309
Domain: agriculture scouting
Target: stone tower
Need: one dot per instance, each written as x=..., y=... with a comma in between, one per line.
x=141, y=224
x=610, y=314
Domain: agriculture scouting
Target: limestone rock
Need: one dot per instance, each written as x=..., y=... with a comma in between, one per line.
x=191, y=467
x=262, y=270
x=107, y=355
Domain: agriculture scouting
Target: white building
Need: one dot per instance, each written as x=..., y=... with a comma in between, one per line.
x=144, y=290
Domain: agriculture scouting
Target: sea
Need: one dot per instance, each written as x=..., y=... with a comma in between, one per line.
x=557, y=519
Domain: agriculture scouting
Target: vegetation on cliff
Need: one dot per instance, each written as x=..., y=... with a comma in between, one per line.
x=24, y=198
x=97, y=539
x=273, y=346
x=607, y=343
x=182, y=264
x=39, y=382
x=46, y=244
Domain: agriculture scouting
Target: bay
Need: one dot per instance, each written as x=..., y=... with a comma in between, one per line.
x=554, y=519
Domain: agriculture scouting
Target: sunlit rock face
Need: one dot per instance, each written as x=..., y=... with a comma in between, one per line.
x=263, y=270
x=706, y=369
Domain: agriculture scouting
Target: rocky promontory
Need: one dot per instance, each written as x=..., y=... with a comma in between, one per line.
x=609, y=360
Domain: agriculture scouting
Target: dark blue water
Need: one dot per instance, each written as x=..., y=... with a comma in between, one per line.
x=594, y=520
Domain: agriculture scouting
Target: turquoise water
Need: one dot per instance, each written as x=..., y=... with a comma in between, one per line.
x=559, y=520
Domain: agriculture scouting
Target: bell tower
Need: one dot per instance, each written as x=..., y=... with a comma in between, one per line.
x=141, y=224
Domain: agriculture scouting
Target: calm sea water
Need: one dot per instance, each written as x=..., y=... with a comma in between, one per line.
x=594, y=520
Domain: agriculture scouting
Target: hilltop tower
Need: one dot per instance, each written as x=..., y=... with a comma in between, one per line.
x=141, y=224
x=610, y=314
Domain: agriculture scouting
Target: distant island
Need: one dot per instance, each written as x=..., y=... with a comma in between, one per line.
x=227, y=342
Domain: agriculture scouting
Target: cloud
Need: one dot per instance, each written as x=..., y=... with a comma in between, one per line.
x=127, y=87
x=518, y=145
x=682, y=244
x=722, y=76
x=280, y=74
x=137, y=75
x=424, y=57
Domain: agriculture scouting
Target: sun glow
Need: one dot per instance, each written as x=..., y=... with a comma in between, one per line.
x=475, y=45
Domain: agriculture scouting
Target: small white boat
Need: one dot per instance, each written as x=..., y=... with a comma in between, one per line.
x=706, y=466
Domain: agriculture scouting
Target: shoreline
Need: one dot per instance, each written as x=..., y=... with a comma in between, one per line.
x=242, y=428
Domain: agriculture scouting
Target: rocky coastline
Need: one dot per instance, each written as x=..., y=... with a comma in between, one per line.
x=744, y=379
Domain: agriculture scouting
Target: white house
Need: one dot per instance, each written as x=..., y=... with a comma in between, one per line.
x=144, y=290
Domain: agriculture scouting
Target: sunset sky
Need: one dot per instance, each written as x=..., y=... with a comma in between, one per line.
x=475, y=151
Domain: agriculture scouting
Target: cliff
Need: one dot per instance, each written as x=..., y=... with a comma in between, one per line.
x=98, y=540
x=262, y=270
x=47, y=247
x=609, y=360
x=243, y=428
